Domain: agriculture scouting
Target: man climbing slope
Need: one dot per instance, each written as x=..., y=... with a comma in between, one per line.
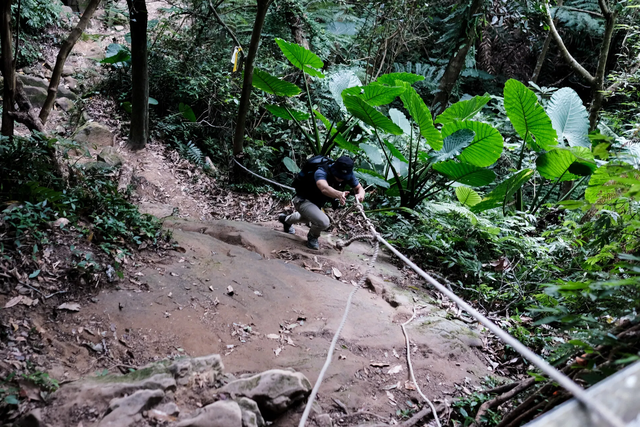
x=320, y=181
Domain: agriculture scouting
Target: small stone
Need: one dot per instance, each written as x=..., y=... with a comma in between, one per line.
x=95, y=134
x=72, y=84
x=65, y=104
x=324, y=420
x=67, y=71
x=251, y=416
x=110, y=156
x=274, y=391
x=223, y=413
x=124, y=410
x=118, y=28
x=64, y=92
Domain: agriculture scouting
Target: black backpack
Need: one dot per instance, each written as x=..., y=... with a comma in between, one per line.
x=304, y=180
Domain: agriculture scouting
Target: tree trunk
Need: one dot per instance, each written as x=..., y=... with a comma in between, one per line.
x=294, y=19
x=139, y=133
x=8, y=72
x=543, y=52
x=238, y=140
x=65, y=49
x=455, y=65
x=597, y=89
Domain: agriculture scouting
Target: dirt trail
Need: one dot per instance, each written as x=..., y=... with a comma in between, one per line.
x=285, y=306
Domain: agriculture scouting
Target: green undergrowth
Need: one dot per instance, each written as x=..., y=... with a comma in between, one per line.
x=89, y=206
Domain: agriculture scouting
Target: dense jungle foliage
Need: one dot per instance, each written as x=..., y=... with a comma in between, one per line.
x=509, y=194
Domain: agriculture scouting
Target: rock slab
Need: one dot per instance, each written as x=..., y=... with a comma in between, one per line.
x=274, y=391
x=223, y=413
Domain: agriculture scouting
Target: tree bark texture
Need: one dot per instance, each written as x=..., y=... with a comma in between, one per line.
x=456, y=63
x=8, y=72
x=139, y=133
x=293, y=15
x=65, y=49
x=238, y=139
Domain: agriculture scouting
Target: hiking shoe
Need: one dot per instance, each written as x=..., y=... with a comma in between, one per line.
x=312, y=243
x=286, y=227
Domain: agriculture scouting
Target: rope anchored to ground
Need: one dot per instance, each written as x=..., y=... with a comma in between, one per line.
x=603, y=413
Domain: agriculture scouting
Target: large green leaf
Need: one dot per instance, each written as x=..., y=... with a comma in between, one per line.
x=273, y=85
x=285, y=113
x=565, y=164
x=339, y=138
x=395, y=152
x=528, y=116
x=422, y=116
x=340, y=81
x=465, y=173
x=301, y=58
x=487, y=144
x=467, y=196
x=371, y=177
x=400, y=119
x=373, y=153
x=504, y=191
x=454, y=144
x=569, y=117
x=375, y=94
x=390, y=79
x=463, y=110
x=608, y=182
x=291, y=165
x=365, y=112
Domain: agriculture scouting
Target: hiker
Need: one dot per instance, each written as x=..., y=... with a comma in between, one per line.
x=320, y=181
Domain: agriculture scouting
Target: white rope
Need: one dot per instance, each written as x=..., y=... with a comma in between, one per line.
x=413, y=376
x=567, y=383
x=334, y=341
x=265, y=179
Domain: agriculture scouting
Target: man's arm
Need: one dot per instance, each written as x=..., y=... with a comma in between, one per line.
x=331, y=192
x=360, y=193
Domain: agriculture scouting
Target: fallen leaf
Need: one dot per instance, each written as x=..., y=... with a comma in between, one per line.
x=336, y=273
x=27, y=301
x=29, y=389
x=391, y=397
x=71, y=306
x=394, y=370
x=395, y=353
x=273, y=336
x=13, y=301
x=409, y=385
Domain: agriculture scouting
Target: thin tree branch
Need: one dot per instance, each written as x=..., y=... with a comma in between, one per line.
x=564, y=51
x=221, y=22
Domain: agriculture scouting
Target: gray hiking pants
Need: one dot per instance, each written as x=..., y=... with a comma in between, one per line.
x=309, y=212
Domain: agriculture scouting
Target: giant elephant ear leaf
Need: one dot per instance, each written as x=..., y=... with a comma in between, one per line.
x=465, y=173
x=369, y=115
x=487, y=144
x=528, y=117
x=463, y=110
x=569, y=118
x=504, y=191
x=376, y=94
x=467, y=196
x=566, y=164
x=301, y=58
x=273, y=85
x=421, y=115
x=454, y=144
x=390, y=79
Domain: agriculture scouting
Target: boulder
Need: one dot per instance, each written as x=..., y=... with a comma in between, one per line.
x=110, y=156
x=125, y=411
x=36, y=95
x=274, y=391
x=65, y=104
x=223, y=413
x=159, y=210
x=95, y=134
x=28, y=80
x=64, y=92
x=323, y=420
x=67, y=71
x=251, y=416
x=207, y=368
x=72, y=84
